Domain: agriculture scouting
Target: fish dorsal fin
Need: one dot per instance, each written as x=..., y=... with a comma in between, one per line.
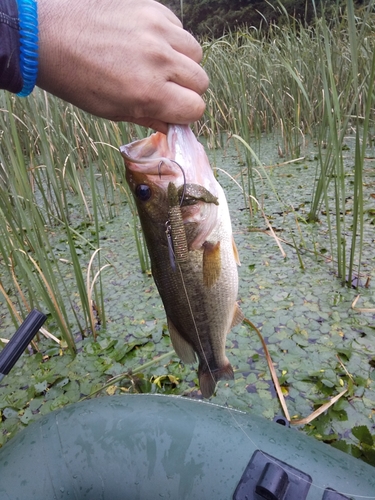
x=238, y=316
x=235, y=251
x=211, y=263
x=183, y=349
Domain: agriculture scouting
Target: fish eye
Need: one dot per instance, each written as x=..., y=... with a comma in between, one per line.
x=143, y=192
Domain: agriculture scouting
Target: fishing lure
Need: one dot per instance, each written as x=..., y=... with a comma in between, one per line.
x=175, y=230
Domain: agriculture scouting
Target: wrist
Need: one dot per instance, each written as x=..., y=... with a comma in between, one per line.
x=28, y=22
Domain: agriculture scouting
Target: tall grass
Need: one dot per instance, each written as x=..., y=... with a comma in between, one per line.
x=292, y=81
x=303, y=83
x=50, y=153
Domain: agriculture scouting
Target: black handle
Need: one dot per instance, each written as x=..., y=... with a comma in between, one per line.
x=20, y=340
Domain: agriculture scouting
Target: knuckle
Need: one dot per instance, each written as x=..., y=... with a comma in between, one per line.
x=195, y=51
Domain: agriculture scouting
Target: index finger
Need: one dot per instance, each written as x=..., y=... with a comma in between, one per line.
x=178, y=105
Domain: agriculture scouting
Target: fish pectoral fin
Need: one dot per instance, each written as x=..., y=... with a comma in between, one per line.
x=211, y=263
x=238, y=316
x=235, y=252
x=209, y=378
x=183, y=349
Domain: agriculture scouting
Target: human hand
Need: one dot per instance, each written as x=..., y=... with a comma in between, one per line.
x=125, y=60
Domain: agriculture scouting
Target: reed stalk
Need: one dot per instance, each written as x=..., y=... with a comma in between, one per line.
x=299, y=84
x=50, y=153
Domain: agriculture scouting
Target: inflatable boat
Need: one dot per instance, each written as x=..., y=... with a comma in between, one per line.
x=149, y=447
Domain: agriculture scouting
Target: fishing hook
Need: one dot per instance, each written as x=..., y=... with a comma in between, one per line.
x=183, y=174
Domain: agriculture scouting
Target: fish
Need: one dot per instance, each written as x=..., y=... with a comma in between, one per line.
x=188, y=233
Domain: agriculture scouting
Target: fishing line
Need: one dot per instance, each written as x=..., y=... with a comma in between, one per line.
x=195, y=325
x=237, y=423
x=231, y=411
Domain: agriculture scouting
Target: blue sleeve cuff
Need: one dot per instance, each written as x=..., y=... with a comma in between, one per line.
x=28, y=23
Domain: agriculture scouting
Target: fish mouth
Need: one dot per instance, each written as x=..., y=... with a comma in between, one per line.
x=152, y=156
x=166, y=156
x=146, y=154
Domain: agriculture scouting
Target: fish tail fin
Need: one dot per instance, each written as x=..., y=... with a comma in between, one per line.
x=209, y=378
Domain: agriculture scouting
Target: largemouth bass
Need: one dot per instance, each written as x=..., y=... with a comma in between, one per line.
x=187, y=228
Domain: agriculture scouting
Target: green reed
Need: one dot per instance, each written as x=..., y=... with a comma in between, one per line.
x=50, y=154
x=292, y=81
x=302, y=83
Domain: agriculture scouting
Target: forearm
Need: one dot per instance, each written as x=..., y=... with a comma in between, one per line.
x=10, y=73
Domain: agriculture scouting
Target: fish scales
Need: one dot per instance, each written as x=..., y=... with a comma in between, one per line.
x=199, y=293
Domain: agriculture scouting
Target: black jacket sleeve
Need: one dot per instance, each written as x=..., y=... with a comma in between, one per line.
x=10, y=72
